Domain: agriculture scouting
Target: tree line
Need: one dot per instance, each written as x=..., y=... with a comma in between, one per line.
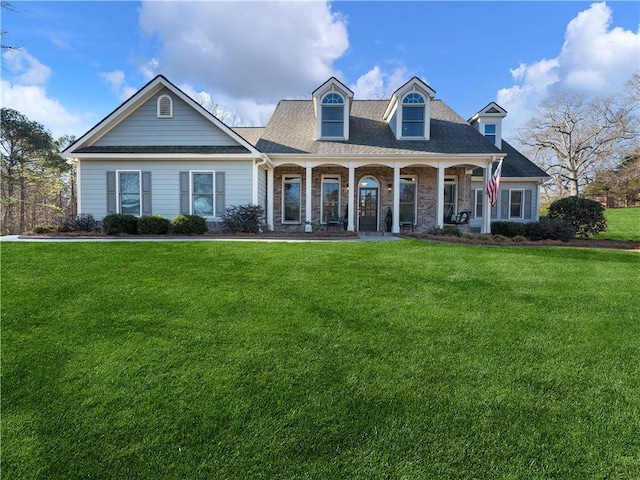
x=37, y=184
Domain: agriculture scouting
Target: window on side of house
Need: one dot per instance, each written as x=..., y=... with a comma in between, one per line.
x=490, y=133
x=330, y=199
x=291, y=199
x=478, y=200
x=165, y=107
x=202, y=193
x=516, y=203
x=413, y=106
x=408, y=197
x=332, y=107
x=129, y=193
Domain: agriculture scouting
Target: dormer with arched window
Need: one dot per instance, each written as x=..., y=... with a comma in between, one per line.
x=332, y=106
x=409, y=111
x=165, y=107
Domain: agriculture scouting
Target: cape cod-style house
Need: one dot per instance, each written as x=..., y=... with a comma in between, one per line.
x=409, y=162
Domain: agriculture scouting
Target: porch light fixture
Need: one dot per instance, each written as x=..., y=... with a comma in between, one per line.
x=389, y=187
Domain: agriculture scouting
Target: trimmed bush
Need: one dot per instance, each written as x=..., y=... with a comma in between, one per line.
x=117, y=223
x=189, y=225
x=80, y=223
x=586, y=216
x=550, y=229
x=507, y=229
x=153, y=225
x=243, y=218
x=45, y=229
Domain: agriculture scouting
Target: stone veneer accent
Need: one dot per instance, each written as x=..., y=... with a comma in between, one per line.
x=426, y=181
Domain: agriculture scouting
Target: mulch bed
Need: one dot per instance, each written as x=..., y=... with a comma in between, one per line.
x=576, y=242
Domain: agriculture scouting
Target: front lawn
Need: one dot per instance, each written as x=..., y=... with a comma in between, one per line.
x=622, y=223
x=337, y=360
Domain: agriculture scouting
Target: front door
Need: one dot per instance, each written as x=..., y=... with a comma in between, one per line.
x=368, y=206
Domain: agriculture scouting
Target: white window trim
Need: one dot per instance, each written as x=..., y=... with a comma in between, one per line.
x=401, y=115
x=213, y=176
x=284, y=181
x=521, y=190
x=118, y=203
x=452, y=180
x=477, y=191
x=160, y=98
x=336, y=180
x=414, y=181
x=345, y=116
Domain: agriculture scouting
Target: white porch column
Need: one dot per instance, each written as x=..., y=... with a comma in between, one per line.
x=351, y=191
x=270, y=197
x=440, y=197
x=308, y=196
x=395, y=228
x=486, y=206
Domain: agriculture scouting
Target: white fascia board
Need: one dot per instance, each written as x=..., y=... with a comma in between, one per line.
x=164, y=156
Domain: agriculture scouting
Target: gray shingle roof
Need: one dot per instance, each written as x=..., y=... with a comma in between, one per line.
x=292, y=129
x=250, y=134
x=516, y=165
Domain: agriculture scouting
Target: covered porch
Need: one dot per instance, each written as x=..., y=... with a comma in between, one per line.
x=361, y=195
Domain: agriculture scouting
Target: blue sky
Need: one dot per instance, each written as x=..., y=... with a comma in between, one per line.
x=80, y=60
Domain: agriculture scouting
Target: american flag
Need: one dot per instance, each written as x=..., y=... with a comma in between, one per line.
x=494, y=184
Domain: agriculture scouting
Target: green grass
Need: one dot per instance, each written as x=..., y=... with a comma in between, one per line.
x=623, y=224
x=329, y=360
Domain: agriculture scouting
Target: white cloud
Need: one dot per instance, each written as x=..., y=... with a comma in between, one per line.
x=33, y=102
x=379, y=84
x=25, y=68
x=118, y=85
x=25, y=91
x=594, y=58
x=239, y=50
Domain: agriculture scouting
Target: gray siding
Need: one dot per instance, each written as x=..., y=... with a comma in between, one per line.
x=499, y=212
x=165, y=179
x=187, y=127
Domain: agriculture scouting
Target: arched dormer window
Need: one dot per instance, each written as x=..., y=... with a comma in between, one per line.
x=332, y=107
x=165, y=106
x=413, y=108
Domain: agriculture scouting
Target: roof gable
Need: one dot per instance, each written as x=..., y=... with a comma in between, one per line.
x=491, y=110
x=135, y=124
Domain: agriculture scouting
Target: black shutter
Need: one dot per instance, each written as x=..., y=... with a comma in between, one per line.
x=112, y=204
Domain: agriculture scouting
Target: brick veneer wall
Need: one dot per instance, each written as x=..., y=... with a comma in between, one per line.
x=425, y=177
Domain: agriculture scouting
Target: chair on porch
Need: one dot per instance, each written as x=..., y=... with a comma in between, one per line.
x=406, y=222
x=460, y=218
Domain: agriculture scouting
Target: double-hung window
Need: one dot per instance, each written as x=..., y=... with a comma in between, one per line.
x=129, y=193
x=413, y=107
x=202, y=193
x=332, y=107
x=291, y=199
x=479, y=196
x=490, y=133
x=330, y=199
x=516, y=203
x=408, y=200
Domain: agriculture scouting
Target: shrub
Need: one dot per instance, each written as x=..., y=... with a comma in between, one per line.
x=586, y=216
x=80, y=223
x=550, y=229
x=507, y=229
x=153, y=225
x=447, y=230
x=520, y=238
x=188, y=225
x=117, y=223
x=45, y=228
x=243, y=218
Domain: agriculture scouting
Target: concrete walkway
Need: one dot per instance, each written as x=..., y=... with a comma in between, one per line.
x=44, y=239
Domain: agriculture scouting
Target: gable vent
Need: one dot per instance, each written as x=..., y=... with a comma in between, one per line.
x=165, y=107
